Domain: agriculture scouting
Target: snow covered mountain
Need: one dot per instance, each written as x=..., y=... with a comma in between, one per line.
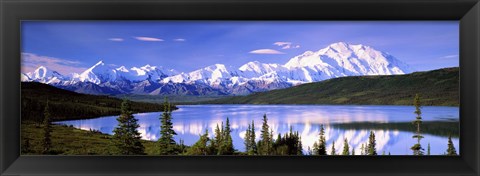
x=44, y=75
x=336, y=60
x=341, y=59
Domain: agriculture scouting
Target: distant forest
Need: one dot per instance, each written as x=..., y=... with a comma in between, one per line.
x=67, y=105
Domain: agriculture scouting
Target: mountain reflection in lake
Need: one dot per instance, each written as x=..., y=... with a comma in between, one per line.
x=191, y=120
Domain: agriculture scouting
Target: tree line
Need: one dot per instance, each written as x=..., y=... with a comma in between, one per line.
x=127, y=139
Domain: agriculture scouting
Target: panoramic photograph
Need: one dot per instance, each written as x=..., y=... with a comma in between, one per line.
x=245, y=88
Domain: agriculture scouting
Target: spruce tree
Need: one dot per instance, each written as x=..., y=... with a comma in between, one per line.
x=247, y=140
x=309, y=151
x=201, y=146
x=126, y=136
x=166, y=142
x=322, y=146
x=253, y=147
x=299, y=145
x=47, y=130
x=288, y=144
x=333, y=152
x=270, y=144
x=451, y=148
x=218, y=140
x=182, y=147
x=372, y=150
x=366, y=151
x=353, y=151
x=417, y=148
x=265, y=138
x=227, y=140
x=346, y=149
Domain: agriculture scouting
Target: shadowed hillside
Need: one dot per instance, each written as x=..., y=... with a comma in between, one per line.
x=438, y=87
x=67, y=105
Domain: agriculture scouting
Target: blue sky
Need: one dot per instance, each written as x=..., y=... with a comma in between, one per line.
x=68, y=46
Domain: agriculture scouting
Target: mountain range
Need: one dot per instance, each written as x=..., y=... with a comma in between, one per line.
x=336, y=60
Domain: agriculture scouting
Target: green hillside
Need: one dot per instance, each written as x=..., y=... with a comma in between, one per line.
x=67, y=105
x=437, y=87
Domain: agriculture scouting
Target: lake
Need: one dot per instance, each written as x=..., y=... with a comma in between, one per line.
x=191, y=120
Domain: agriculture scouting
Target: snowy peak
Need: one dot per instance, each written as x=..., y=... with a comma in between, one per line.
x=99, y=63
x=44, y=75
x=98, y=73
x=343, y=59
x=257, y=69
x=42, y=72
x=122, y=69
x=340, y=47
x=208, y=75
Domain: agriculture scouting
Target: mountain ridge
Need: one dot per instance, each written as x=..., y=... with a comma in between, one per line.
x=336, y=60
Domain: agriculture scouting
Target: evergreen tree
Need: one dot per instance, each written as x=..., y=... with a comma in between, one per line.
x=417, y=148
x=346, y=149
x=247, y=140
x=353, y=151
x=279, y=146
x=333, y=152
x=227, y=143
x=271, y=141
x=383, y=152
x=216, y=143
x=428, y=149
x=451, y=149
x=309, y=151
x=366, y=151
x=299, y=145
x=372, y=150
x=201, y=146
x=126, y=137
x=47, y=130
x=182, y=147
x=288, y=144
x=265, y=143
x=166, y=142
x=253, y=147
x=322, y=146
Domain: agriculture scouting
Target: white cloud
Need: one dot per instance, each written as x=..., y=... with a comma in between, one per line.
x=179, y=40
x=31, y=61
x=454, y=56
x=282, y=43
x=266, y=51
x=149, y=39
x=286, y=45
x=116, y=39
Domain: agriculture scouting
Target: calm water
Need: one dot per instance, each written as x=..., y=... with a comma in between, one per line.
x=191, y=120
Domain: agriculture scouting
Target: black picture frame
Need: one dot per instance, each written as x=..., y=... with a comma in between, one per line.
x=14, y=11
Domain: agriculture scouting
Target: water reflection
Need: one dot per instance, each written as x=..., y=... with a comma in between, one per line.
x=190, y=121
